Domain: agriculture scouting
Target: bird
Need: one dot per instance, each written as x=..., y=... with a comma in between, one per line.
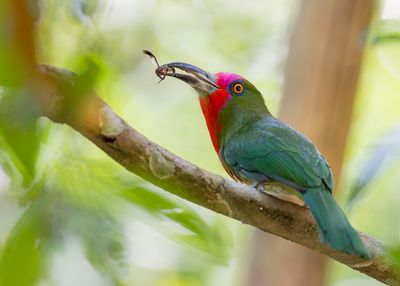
x=255, y=147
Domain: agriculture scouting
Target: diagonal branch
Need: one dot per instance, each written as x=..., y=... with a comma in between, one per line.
x=94, y=119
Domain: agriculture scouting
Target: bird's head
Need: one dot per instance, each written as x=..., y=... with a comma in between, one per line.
x=227, y=99
x=227, y=87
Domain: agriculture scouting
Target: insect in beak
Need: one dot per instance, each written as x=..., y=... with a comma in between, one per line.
x=199, y=79
x=161, y=71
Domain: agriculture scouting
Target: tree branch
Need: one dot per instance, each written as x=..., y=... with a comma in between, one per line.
x=94, y=119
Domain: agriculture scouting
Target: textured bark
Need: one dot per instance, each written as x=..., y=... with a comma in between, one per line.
x=90, y=116
x=320, y=85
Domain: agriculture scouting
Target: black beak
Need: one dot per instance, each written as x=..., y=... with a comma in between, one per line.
x=199, y=79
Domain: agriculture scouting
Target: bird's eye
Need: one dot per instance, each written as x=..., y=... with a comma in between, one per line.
x=238, y=88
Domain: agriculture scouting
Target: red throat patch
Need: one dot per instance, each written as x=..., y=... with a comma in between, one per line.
x=211, y=105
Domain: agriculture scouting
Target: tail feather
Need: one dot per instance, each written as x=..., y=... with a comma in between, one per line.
x=334, y=228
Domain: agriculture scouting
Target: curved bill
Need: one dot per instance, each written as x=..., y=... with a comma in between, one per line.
x=199, y=79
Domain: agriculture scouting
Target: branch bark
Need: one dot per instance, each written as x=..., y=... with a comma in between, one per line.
x=94, y=119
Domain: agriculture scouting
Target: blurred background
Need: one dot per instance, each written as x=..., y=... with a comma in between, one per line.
x=72, y=216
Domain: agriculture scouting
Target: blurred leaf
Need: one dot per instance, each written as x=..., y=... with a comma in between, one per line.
x=385, y=31
x=376, y=163
x=20, y=133
x=25, y=253
x=84, y=10
x=102, y=237
x=162, y=206
x=218, y=246
x=93, y=188
x=89, y=207
x=201, y=235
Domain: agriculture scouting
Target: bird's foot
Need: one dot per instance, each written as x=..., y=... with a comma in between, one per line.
x=259, y=186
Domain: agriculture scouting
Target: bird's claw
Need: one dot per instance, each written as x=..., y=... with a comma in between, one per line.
x=259, y=186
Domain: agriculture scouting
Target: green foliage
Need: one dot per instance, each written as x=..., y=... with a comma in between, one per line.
x=17, y=127
x=25, y=253
x=87, y=204
x=383, y=156
x=197, y=232
x=102, y=238
x=385, y=31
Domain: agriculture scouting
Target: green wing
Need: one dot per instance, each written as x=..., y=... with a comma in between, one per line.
x=272, y=149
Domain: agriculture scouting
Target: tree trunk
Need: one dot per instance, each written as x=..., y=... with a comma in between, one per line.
x=320, y=84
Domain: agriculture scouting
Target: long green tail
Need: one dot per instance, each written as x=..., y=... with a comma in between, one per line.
x=334, y=228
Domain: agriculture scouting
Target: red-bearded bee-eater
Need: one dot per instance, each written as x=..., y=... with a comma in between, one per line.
x=255, y=147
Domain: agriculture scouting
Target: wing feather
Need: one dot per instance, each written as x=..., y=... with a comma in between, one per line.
x=273, y=149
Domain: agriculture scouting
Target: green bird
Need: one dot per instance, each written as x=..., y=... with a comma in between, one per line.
x=255, y=147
